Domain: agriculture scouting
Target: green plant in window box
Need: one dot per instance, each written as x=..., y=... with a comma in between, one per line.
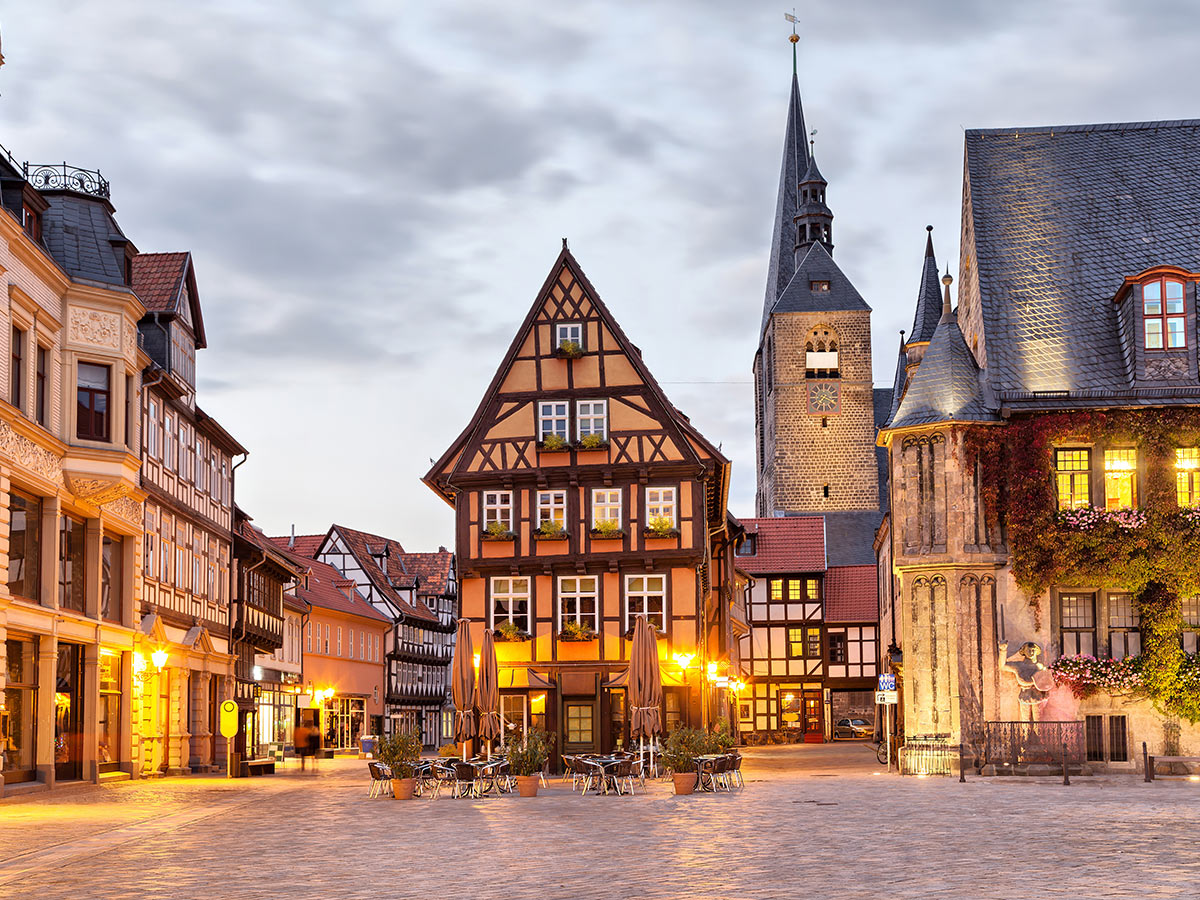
x=606, y=528
x=550, y=530
x=508, y=631
x=497, y=531
x=661, y=527
x=576, y=631
x=553, y=442
x=592, y=442
x=570, y=349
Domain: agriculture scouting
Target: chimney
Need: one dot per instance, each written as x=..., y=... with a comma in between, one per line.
x=292, y=539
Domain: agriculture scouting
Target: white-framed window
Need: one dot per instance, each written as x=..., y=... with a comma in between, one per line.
x=310, y=631
x=169, y=457
x=510, y=602
x=554, y=418
x=606, y=505
x=552, y=507
x=497, y=507
x=362, y=644
x=201, y=459
x=660, y=504
x=154, y=430
x=578, y=601
x=646, y=595
x=592, y=418
x=350, y=646
x=568, y=331
x=339, y=640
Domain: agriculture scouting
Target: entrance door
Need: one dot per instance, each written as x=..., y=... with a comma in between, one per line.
x=513, y=716
x=813, y=719
x=68, y=715
x=580, y=726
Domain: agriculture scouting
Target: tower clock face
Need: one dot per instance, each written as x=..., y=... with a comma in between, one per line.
x=824, y=398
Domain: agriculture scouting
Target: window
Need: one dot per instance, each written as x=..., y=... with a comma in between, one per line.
x=43, y=364
x=201, y=459
x=309, y=645
x=18, y=363
x=362, y=638
x=568, y=331
x=1187, y=476
x=579, y=723
x=71, y=579
x=1162, y=313
x=646, y=595
x=24, y=545
x=747, y=547
x=606, y=506
x=577, y=601
x=1078, y=620
x=510, y=602
x=660, y=504
x=554, y=420
x=111, y=551
x=1190, y=608
x=152, y=429
x=92, y=392
x=1123, y=621
x=339, y=640
x=837, y=647
x=169, y=442
x=1118, y=739
x=1120, y=479
x=552, y=507
x=350, y=648
x=1072, y=469
x=31, y=222
x=821, y=287
x=592, y=419
x=497, y=507
x=326, y=640
x=804, y=641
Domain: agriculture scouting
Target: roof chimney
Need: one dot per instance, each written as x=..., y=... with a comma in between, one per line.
x=292, y=539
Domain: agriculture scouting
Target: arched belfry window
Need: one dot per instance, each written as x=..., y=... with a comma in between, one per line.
x=821, y=353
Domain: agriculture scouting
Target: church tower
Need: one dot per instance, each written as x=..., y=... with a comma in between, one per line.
x=815, y=409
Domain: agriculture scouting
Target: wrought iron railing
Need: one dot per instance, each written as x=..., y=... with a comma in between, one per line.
x=1016, y=745
x=55, y=177
x=928, y=755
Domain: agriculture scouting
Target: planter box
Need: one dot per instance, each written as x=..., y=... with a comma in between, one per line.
x=564, y=448
x=596, y=449
x=568, y=354
x=597, y=536
x=557, y=536
x=653, y=535
x=500, y=638
x=498, y=538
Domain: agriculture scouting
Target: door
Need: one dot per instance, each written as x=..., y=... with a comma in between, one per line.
x=580, y=725
x=514, y=719
x=68, y=715
x=813, y=718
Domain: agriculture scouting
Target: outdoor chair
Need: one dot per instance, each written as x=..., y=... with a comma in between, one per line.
x=505, y=782
x=721, y=773
x=584, y=772
x=381, y=780
x=466, y=780
x=623, y=774
x=573, y=766
x=438, y=776
x=735, y=770
x=706, y=770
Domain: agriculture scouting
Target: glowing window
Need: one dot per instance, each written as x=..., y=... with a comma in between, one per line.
x=1187, y=476
x=1120, y=479
x=1072, y=469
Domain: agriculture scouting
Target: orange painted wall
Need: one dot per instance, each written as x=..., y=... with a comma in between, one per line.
x=345, y=675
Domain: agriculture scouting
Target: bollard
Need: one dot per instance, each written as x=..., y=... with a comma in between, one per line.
x=1146, y=768
x=962, y=773
x=1066, y=774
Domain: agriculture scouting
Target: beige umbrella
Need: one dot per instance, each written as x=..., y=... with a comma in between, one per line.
x=462, y=684
x=487, y=697
x=645, y=685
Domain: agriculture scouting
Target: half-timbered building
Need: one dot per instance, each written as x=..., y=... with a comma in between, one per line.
x=584, y=499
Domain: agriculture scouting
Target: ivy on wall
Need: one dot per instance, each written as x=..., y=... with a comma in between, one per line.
x=1153, y=552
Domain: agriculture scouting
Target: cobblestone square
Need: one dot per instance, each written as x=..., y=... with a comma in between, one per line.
x=811, y=821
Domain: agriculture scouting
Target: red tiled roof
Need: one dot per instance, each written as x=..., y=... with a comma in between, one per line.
x=852, y=594
x=364, y=546
x=157, y=278
x=305, y=545
x=785, y=544
x=255, y=536
x=322, y=591
x=432, y=568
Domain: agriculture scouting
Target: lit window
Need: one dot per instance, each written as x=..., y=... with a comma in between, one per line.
x=776, y=589
x=1120, y=479
x=1187, y=476
x=497, y=507
x=554, y=419
x=606, y=506
x=1072, y=470
x=660, y=504
x=577, y=601
x=821, y=287
x=1078, y=624
x=510, y=602
x=552, y=507
x=804, y=642
x=646, y=595
x=92, y=392
x=592, y=419
x=568, y=333
x=1162, y=312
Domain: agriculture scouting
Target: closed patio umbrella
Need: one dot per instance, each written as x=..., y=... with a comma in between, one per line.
x=645, y=685
x=462, y=684
x=488, y=692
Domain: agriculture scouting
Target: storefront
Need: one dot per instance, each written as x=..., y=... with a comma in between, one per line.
x=276, y=718
x=68, y=713
x=108, y=713
x=18, y=718
x=344, y=722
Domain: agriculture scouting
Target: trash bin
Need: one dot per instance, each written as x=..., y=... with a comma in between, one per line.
x=367, y=745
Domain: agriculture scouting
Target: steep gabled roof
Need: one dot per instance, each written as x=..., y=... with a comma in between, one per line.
x=259, y=541
x=163, y=282
x=785, y=545
x=929, y=296
x=434, y=571
x=305, y=545
x=782, y=264
x=818, y=266
x=328, y=589
x=364, y=546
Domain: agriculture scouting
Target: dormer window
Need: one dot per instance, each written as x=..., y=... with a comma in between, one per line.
x=819, y=287
x=31, y=222
x=1163, y=315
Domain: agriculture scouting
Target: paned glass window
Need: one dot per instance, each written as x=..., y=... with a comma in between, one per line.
x=15, y=393
x=1163, y=314
x=24, y=545
x=1072, y=469
x=804, y=641
x=92, y=392
x=497, y=507
x=568, y=332
x=592, y=417
x=1120, y=478
x=554, y=419
x=606, y=506
x=1078, y=623
x=111, y=553
x=1123, y=621
x=646, y=595
x=660, y=504
x=552, y=507
x=579, y=723
x=1187, y=476
x=71, y=579
x=43, y=373
x=510, y=602
x=577, y=601
x=837, y=647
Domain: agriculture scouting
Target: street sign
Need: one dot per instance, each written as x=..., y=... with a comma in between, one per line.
x=887, y=682
x=229, y=718
x=886, y=697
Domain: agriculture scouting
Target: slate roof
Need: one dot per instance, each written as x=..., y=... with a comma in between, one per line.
x=929, y=296
x=818, y=265
x=158, y=279
x=782, y=264
x=79, y=232
x=852, y=594
x=785, y=544
x=850, y=537
x=1060, y=216
x=897, y=392
x=946, y=386
x=883, y=409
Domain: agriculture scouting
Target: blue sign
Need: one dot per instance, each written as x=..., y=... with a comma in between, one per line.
x=887, y=683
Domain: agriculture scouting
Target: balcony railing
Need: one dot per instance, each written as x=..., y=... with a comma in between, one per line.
x=56, y=177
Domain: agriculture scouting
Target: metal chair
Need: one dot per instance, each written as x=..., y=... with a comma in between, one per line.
x=721, y=773
x=438, y=776
x=466, y=779
x=706, y=770
x=381, y=780
x=623, y=773
x=735, y=769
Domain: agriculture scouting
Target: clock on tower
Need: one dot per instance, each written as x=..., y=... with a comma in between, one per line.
x=824, y=398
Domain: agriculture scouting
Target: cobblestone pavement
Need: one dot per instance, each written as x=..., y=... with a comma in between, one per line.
x=812, y=821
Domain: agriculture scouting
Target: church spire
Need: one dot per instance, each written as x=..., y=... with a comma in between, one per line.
x=929, y=296
x=814, y=220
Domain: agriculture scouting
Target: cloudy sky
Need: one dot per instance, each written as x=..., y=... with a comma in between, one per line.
x=373, y=191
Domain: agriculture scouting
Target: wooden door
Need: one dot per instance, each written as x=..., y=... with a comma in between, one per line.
x=813, y=719
x=581, y=725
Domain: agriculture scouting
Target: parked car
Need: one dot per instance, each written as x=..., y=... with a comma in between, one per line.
x=853, y=728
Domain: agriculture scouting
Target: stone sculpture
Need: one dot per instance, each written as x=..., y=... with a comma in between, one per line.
x=1034, y=680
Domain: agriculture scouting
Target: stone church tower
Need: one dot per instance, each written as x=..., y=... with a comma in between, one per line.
x=815, y=409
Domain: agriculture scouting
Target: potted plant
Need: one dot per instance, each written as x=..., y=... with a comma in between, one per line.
x=660, y=527
x=679, y=753
x=576, y=631
x=570, y=349
x=526, y=757
x=606, y=529
x=508, y=631
x=592, y=442
x=552, y=442
x=448, y=751
x=400, y=753
x=497, y=531
x=550, y=530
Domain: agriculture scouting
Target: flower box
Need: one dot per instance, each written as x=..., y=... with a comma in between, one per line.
x=657, y=633
x=554, y=446
x=598, y=535
x=493, y=536
x=575, y=637
x=510, y=637
x=560, y=535
x=590, y=447
x=569, y=350
x=654, y=533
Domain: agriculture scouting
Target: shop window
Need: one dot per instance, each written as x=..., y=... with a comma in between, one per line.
x=513, y=719
x=108, y=755
x=24, y=545
x=1120, y=478
x=1187, y=476
x=18, y=718
x=93, y=395
x=1072, y=468
x=674, y=710
x=112, y=549
x=71, y=577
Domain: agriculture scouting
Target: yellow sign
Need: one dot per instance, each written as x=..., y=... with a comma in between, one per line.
x=229, y=718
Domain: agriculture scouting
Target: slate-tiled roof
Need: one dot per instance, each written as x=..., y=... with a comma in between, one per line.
x=158, y=279
x=1060, y=217
x=79, y=233
x=364, y=546
x=785, y=544
x=897, y=392
x=929, y=296
x=327, y=589
x=946, y=386
x=783, y=237
x=851, y=594
x=818, y=265
x=882, y=398
x=850, y=537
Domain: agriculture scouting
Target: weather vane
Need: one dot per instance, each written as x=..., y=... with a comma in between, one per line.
x=812, y=142
x=794, y=38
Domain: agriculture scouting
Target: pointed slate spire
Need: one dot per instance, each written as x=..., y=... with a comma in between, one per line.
x=929, y=301
x=901, y=379
x=782, y=264
x=814, y=221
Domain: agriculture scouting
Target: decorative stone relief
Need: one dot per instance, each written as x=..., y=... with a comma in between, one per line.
x=1034, y=680
x=1167, y=369
x=90, y=326
x=24, y=452
x=130, y=340
x=96, y=490
x=127, y=508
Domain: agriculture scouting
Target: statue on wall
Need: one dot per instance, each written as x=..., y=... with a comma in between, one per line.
x=1033, y=678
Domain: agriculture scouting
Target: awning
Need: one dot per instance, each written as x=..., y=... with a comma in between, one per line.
x=521, y=677
x=621, y=679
